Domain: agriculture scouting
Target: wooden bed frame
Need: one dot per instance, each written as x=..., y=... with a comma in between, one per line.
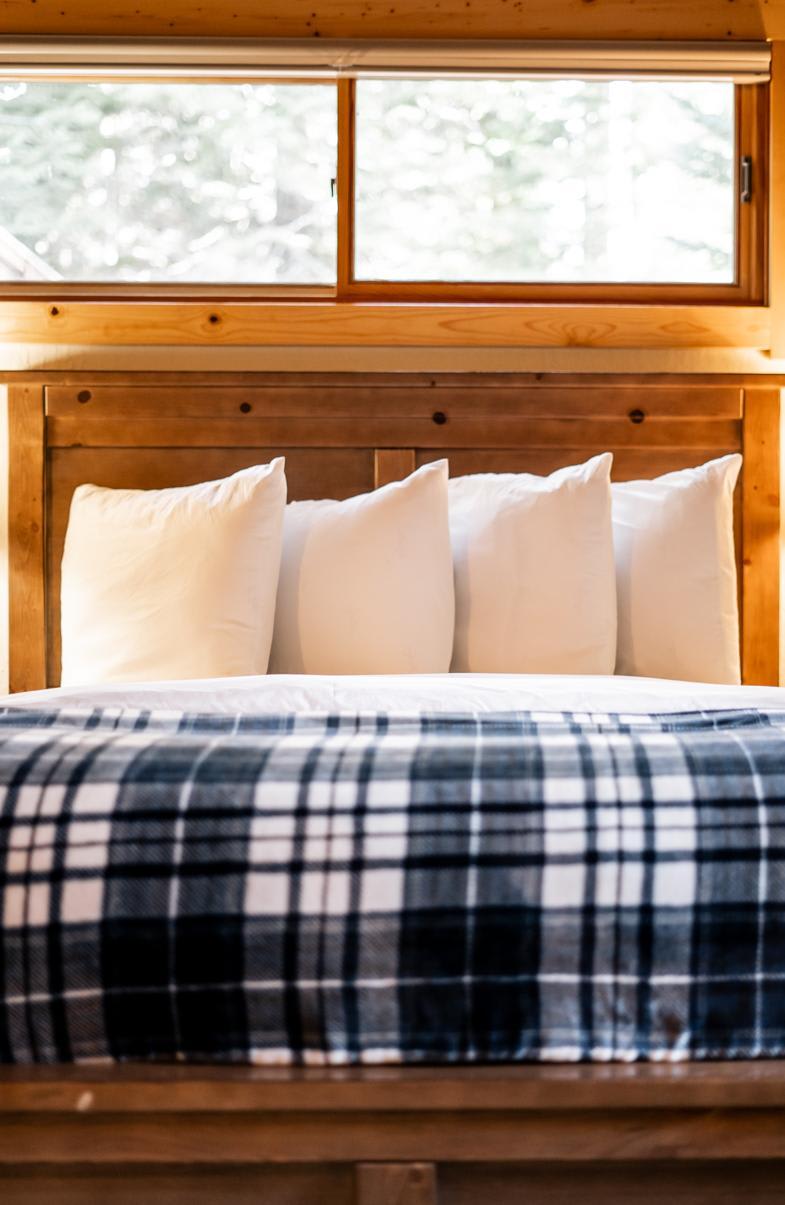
x=688, y=1133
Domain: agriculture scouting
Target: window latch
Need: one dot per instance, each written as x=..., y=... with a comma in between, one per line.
x=746, y=179
x=332, y=186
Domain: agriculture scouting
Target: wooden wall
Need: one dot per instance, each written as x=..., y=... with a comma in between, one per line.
x=699, y=19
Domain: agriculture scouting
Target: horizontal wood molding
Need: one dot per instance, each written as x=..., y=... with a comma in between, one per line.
x=393, y=1135
x=161, y=1090
x=628, y=19
x=383, y=325
x=410, y=397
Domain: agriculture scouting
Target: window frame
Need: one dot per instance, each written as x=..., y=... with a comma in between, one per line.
x=751, y=225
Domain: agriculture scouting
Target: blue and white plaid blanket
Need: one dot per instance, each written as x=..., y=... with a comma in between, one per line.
x=386, y=888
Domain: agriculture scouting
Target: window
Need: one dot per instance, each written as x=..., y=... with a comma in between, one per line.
x=540, y=188
x=181, y=182
x=546, y=180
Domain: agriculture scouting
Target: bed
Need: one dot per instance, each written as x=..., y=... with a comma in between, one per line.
x=505, y=1107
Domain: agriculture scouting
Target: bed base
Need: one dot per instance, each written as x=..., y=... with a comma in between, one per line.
x=683, y=1134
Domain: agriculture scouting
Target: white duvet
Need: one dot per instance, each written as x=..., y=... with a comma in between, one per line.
x=411, y=693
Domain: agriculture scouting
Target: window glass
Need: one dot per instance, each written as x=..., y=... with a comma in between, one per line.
x=167, y=182
x=545, y=181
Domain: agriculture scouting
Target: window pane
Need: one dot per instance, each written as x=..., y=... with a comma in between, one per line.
x=545, y=180
x=167, y=182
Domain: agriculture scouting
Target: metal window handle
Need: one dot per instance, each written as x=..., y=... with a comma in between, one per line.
x=746, y=179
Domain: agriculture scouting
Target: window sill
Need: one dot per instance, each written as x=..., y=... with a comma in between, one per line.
x=304, y=323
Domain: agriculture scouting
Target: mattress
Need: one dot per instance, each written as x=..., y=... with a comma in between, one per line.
x=358, y=871
x=413, y=692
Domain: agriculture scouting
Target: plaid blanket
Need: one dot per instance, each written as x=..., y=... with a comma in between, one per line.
x=384, y=888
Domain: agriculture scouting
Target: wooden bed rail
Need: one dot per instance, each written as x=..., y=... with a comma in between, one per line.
x=395, y=1136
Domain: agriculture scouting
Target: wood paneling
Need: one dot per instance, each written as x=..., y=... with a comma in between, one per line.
x=27, y=450
x=777, y=176
x=773, y=14
x=332, y=324
x=348, y=396
x=631, y=19
x=483, y=431
x=761, y=533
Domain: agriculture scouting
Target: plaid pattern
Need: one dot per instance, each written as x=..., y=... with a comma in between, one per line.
x=384, y=888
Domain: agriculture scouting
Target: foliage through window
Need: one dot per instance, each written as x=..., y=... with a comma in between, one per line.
x=454, y=185
x=167, y=182
x=547, y=180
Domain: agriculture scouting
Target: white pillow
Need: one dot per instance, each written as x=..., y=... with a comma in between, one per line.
x=534, y=581
x=173, y=583
x=366, y=584
x=676, y=574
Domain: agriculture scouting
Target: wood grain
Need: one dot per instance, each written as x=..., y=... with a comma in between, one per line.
x=344, y=433
x=501, y=1136
x=392, y=464
x=146, y=1088
x=392, y=432
x=345, y=183
x=773, y=15
x=396, y=1184
x=457, y=1134
x=406, y=395
x=86, y=1185
x=26, y=579
x=777, y=216
x=632, y=19
x=761, y=537
x=342, y=324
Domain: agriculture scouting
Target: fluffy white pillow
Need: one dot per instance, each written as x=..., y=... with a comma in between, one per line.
x=534, y=581
x=366, y=584
x=173, y=583
x=676, y=574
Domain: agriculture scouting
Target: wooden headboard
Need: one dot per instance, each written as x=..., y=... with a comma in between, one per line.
x=344, y=433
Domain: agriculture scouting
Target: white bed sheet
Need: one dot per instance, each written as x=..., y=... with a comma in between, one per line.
x=411, y=693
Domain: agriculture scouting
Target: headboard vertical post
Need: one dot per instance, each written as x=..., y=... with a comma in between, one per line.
x=392, y=464
x=761, y=537
x=26, y=522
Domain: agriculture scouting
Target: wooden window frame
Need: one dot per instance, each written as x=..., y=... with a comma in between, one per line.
x=750, y=221
x=751, y=224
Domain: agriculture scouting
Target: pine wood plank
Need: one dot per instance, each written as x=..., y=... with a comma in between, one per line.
x=408, y=396
x=336, y=324
x=761, y=537
x=633, y=19
x=523, y=1087
x=462, y=432
x=610, y=1136
x=777, y=193
x=26, y=484
x=392, y=464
